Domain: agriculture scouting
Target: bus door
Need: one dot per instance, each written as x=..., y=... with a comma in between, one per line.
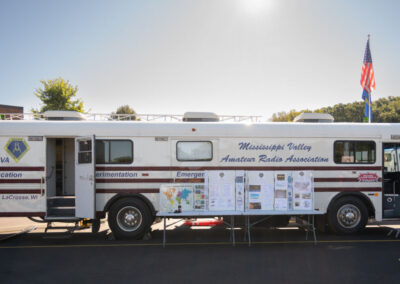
x=391, y=180
x=85, y=177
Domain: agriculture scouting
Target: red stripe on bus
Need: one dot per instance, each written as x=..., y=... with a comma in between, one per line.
x=316, y=168
x=148, y=180
x=19, y=180
x=22, y=214
x=200, y=180
x=20, y=191
x=123, y=190
x=341, y=179
x=134, y=180
x=317, y=189
x=347, y=189
x=189, y=180
x=22, y=169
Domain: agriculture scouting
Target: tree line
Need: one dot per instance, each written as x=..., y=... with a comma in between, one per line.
x=59, y=94
x=383, y=110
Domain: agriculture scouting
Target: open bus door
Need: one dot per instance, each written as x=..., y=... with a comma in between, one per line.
x=85, y=177
x=391, y=180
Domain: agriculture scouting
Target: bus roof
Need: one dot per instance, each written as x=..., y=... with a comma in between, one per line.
x=385, y=131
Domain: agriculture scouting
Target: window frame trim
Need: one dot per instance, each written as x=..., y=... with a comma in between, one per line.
x=132, y=147
x=354, y=150
x=189, y=141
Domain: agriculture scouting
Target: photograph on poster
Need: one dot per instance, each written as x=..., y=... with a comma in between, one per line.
x=303, y=190
x=280, y=193
x=260, y=190
x=200, y=197
x=254, y=196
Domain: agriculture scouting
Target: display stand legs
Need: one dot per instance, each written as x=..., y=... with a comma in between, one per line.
x=165, y=230
x=308, y=226
x=232, y=229
x=163, y=243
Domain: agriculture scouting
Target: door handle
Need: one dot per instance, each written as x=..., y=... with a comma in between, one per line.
x=88, y=177
x=41, y=186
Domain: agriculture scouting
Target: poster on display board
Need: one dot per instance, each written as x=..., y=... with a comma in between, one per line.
x=221, y=190
x=303, y=191
x=240, y=190
x=260, y=190
x=200, y=193
x=176, y=198
x=283, y=190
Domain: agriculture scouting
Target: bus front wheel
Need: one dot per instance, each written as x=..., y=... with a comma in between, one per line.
x=129, y=218
x=347, y=215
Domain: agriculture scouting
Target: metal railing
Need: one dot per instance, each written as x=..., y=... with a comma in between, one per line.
x=123, y=117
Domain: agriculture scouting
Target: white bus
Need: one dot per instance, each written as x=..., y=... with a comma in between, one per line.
x=69, y=170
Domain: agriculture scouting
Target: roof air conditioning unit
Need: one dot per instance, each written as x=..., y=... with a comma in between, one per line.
x=63, y=115
x=200, y=117
x=314, y=117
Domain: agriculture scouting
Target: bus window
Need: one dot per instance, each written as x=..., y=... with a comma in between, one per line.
x=354, y=152
x=114, y=152
x=194, y=151
x=390, y=164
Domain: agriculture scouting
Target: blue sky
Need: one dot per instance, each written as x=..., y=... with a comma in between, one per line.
x=250, y=57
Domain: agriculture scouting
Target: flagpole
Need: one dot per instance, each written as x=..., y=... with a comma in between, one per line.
x=367, y=82
x=369, y=98
x=370, y=107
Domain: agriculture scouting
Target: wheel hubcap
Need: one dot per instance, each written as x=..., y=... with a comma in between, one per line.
x=129, y=218
x=349, y=216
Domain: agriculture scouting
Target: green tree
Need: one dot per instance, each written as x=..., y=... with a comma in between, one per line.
x=58, y=94
x=126, y=109
x=383, y=110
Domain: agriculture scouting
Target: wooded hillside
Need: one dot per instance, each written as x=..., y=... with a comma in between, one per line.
x=383, y=110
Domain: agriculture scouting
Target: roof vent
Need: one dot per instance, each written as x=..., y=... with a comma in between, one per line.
x=314, y=117
x=200, y=117
x=63, y=115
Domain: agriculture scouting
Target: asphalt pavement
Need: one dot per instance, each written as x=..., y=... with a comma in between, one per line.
x=194, y=255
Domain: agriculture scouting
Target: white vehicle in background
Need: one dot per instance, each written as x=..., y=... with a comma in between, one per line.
x=72, y=170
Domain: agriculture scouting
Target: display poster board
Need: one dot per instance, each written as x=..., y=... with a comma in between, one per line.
x=200, y=193
x=260, y=190
x=221, y=190
x=240, y=190
x=282, y=190
x=176, y=198
x=303, y=191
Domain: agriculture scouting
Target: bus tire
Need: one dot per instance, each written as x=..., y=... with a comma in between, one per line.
x=347, y=215
x=129, y=218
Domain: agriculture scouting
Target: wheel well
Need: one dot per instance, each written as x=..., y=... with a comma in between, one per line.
x=135, y=195
x=359, y=195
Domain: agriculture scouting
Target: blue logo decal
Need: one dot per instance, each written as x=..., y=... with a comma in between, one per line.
x=16, y=148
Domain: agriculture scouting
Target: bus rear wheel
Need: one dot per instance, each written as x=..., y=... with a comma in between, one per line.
x=347, y=215
x=129, y=218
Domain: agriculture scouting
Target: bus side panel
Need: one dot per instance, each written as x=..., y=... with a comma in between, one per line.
x=22, y=176
x=143, y=176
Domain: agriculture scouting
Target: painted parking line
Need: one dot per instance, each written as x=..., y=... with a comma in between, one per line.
x=199, y=244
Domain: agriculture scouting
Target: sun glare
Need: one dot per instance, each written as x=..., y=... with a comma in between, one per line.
x=255, y=6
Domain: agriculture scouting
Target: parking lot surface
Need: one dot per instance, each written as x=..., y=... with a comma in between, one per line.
x=195, y=255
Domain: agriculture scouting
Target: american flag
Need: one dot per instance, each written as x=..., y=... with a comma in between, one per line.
x=367, y=73
x=367, y=82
